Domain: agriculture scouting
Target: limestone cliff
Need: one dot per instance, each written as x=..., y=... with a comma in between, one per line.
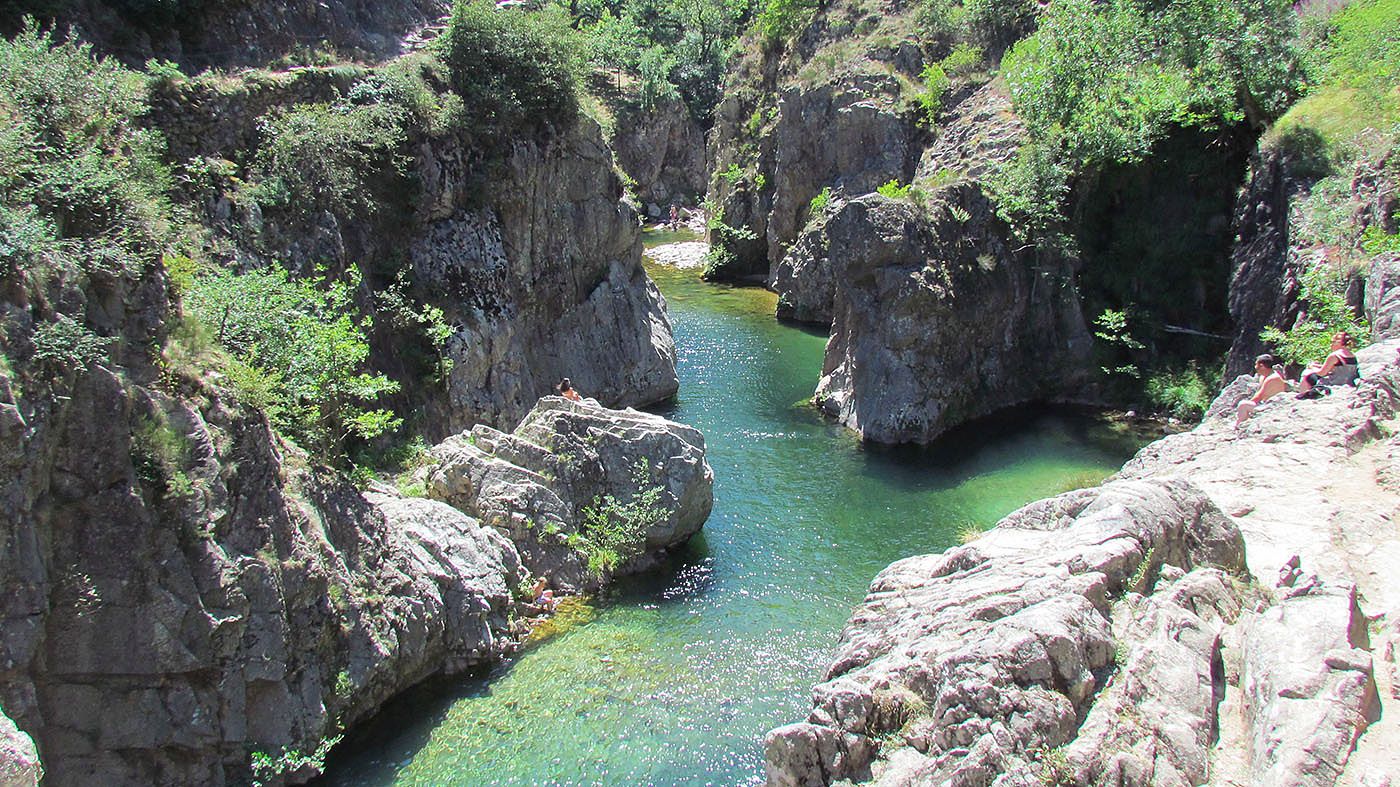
x=528, y=250
x=813, y=124
x=938, y=320
x=1202, y=618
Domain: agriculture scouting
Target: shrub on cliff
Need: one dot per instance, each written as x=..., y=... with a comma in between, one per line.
x=512, y=68
x=1110, y=78
x=81, y=184
x=299, y=352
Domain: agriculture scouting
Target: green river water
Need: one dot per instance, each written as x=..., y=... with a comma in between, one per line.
x=673, y=677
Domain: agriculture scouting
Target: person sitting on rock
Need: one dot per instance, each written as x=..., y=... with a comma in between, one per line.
x=1271, y=384
x=566, y=390
x=542, y=595
x=1339, y=368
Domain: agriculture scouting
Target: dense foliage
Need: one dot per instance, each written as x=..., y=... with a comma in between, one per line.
x=1108, y=79
x=300, y=351
x=82, y=186
x=1099, y=83
x=513, y=69
x=669, y=47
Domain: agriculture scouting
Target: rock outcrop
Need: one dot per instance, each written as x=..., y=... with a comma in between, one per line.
x=19, y=762
x=572, y=469
x=977, y=662
x=939, y=320
x=181, y=589
x=663, y=151
x=1115, y=636
x=538, y=273
x=544, y=284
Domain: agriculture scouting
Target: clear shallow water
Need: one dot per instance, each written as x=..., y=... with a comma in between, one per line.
x=674, y=677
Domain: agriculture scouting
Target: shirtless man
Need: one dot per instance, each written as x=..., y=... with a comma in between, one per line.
x=1273, y=384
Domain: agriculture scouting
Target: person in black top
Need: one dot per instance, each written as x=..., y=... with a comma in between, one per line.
x=1339, y=368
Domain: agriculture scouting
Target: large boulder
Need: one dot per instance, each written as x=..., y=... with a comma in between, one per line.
x=977, y=661
x=939, y=318
x=572, y=468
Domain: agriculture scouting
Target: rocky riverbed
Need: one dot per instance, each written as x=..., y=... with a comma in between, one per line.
x=1219, y=612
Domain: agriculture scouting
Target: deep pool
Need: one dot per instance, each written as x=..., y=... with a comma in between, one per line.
x=674, y=677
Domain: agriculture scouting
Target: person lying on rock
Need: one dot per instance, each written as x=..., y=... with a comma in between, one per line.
x=566, y=390
x=1339, y=368
x=1271, y=384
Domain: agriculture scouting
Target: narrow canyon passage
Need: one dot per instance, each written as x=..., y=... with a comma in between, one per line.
x=674, y=677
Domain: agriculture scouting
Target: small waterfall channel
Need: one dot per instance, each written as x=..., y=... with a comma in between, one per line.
x=673, y=678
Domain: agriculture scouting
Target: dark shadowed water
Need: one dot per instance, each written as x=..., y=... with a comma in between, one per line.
x=674, y=677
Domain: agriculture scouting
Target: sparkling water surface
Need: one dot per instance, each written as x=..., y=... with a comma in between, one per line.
x=673, y=678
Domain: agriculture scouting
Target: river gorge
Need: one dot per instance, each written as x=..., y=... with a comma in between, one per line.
x=673, y=677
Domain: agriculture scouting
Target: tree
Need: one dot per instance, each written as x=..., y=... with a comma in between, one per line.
x=302, y=351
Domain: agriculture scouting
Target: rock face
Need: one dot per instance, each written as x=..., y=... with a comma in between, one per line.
x=200, y=35
x=1263, y=283
x=1309, y=686
x=538, y=272
x=663, y=150
x=19, y=762
x=546, y=284
x=165, y=617
x=971, y=664
x=539, y=484
x=938, y=321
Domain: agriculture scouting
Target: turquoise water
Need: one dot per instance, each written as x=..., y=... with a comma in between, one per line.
x=674, y=677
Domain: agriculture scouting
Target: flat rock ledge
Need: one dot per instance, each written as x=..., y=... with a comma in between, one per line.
x=546, y=485
x=1116, y=635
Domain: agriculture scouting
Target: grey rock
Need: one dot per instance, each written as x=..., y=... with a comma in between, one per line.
x=536, y=484
x=1383, y=298
x=663, y=150
x=1155, y=721
x=1309, y=688
x=938, y=319
x=19, y=761
x=153, y=636
x=971, y=663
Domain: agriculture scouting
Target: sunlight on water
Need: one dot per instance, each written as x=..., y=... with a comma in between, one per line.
x=673, y=678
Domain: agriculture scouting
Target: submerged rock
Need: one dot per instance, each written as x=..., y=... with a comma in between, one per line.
x=572, y=468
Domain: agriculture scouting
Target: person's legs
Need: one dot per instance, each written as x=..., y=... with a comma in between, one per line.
x=1243, y=411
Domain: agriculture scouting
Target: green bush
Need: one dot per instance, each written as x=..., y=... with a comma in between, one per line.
x=893, y=190
x=614, y=532
x=819, y=202
x=782, y=19
x=653, y=70
x=511, y=67
x=1325, y=311
x=322, y=157
x=159, y=454
x=64, y=344
x=1183, y=393
x=301, y=352
x=1030, y=190
x=82, y=185
x=930, y=100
